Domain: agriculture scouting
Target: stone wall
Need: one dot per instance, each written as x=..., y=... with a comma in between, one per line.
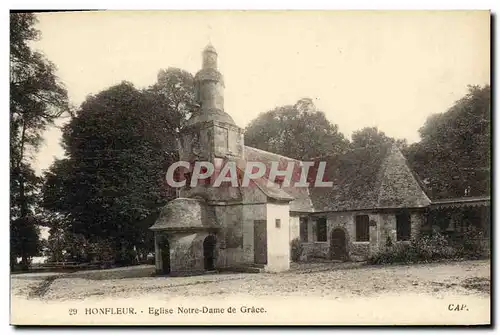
x=230, y=236
x=359, y=251
x=417, y=222
x=316, y=250
x=186, y=253
x=387, y=229
x=382, y=225
x=294, y=227
x=356, y=250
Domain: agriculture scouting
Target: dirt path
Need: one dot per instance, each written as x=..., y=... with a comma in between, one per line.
x=350, y=295
x=324, y=280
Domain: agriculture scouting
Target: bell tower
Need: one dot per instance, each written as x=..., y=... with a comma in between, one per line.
x=210, y=134
x=209, y=83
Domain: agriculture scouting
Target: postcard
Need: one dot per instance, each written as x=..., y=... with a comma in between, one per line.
x=250, y=168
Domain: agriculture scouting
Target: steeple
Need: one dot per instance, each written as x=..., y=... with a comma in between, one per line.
x=209, y=88
x=209, y=57
x=210, y=134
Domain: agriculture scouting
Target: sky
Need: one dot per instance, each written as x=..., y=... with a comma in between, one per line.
x=385, y=69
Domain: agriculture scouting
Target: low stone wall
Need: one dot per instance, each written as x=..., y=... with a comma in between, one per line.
x=359, y=251
x=315, y=250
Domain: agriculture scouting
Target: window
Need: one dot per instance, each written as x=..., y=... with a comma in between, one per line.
x=362, y=228
x=278, y=223
x=304, y=232
x=321, y=230
x=403, y=226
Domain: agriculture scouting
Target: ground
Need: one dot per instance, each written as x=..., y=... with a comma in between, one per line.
x=458, y=280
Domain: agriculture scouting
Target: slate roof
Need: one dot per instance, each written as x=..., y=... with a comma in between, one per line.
x=370, y=178
x=210, y=115
x=301, y=200
x=375, y=177
x=185, y=213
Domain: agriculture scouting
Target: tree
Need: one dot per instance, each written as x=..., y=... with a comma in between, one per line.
x=297, y=131
x=454, y=154
x=372, y=136
x=118, y=148
x=37, y=99
x=174, y=93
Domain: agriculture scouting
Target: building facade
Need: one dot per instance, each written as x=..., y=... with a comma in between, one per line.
x=374, y=199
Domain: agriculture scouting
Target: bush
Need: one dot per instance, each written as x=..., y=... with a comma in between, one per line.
x=295, y=249
x=388, y=242
x=471, y=244
x=427, y=248
x=397, y=253
x=431, y=247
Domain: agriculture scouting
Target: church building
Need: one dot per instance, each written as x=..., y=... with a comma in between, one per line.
x=374, y=198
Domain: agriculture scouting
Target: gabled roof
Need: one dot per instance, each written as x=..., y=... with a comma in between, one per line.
x=301, y=201
x=375, y=177
x=271, y=190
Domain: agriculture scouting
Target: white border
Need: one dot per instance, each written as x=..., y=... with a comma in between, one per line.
x=183, y=5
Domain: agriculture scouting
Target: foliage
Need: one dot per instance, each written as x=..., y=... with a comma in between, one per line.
x=431, y=247
x=471, y=244
x=388, y=242
x=174, y=93
x=37, y=99
x=454, y=154
x=372, y=136
x=398, y=253
x=297, y=131
x=118, y=148
x=63, y=243
x=295, y=249
x=434, y=246
x=24, y=239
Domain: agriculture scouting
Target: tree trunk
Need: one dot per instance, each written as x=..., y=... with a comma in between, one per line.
x=22, y=197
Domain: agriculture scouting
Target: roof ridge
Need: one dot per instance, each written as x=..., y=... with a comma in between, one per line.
x=350, y=150
x=394, y=150
x=264, y=188
x=275, y=154
x=415, y=176
x=382, y=172
x=419, y=181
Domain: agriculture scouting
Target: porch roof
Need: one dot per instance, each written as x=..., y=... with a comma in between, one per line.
x=461, y=202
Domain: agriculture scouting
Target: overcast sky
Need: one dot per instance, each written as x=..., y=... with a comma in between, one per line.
x=385, y=69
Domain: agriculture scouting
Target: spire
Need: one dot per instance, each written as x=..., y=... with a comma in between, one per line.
x=209, y=57
x=209, y=87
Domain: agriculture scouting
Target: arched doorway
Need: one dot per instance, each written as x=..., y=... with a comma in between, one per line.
x=338, y=245
x=165, y=256
x=209, y=252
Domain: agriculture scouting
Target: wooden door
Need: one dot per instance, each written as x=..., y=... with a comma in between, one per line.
x=260, y=241
x=338, y=247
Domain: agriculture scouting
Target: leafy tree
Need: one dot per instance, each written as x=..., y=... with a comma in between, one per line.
x=118, y=148
x=454, y=154
x=297, y=131
x=37, y=98
x=372, y=136
x=174, y=93
x=24, y=238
